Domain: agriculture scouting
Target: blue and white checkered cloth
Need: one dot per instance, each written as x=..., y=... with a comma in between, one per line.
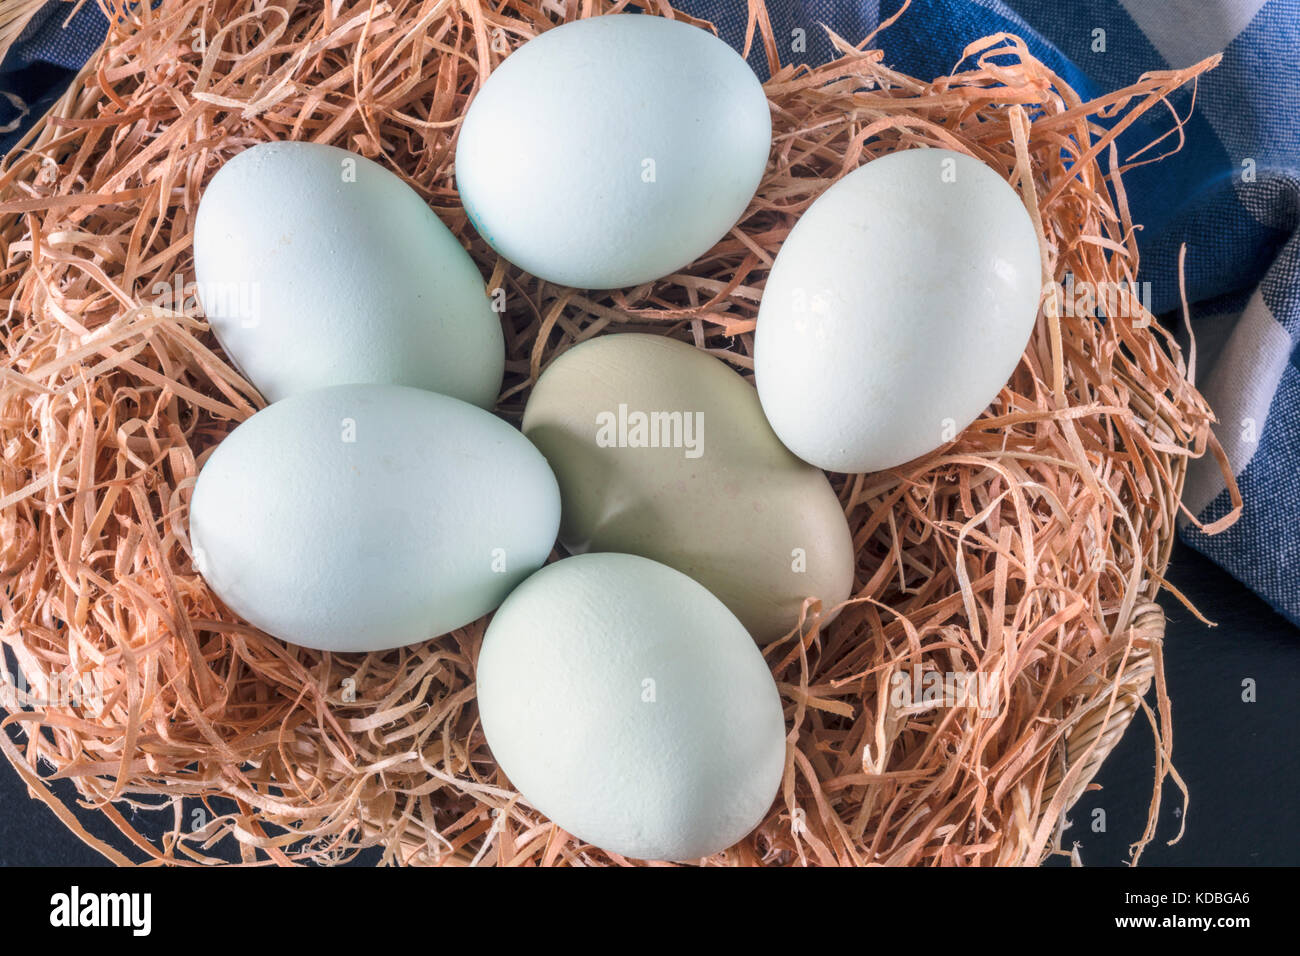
x=1232, y=194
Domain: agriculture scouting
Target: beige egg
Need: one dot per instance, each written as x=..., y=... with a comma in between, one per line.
x=663, y=451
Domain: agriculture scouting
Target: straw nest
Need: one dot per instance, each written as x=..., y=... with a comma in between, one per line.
x=1026, y=553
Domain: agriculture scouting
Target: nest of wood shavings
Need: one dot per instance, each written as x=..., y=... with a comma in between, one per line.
x=1025, y=554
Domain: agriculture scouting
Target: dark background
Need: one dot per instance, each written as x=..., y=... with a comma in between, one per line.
x=1239, y=760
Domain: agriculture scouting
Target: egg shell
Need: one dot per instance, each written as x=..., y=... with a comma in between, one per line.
x=363, y=517
x=897, y=308
x=737, y=512
x=613, y=150
x=317, y=267
x=629, y=705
